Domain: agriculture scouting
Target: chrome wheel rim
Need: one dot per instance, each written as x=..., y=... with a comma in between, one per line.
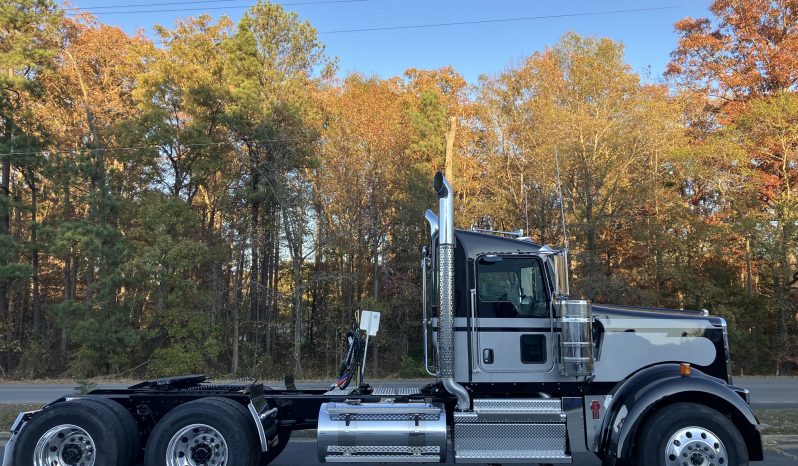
x=695, y=446
x=197, y=445
x=65, y=445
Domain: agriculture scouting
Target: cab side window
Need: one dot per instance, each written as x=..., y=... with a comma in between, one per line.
x=510, y=287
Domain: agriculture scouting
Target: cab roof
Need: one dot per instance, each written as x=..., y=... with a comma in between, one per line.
x=475, y=244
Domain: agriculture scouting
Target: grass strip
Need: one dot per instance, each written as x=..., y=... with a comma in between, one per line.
x=779, y=421
x=8, y=413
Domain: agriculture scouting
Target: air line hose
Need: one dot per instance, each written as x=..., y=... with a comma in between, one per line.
x=352, y=358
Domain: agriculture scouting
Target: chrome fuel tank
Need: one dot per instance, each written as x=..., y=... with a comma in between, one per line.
x=381, y=433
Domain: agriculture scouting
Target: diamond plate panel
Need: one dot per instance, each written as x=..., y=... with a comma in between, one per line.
x=384, y=449
x=382, y=459
x=387, y=417
x=518, y=405
x=338, y=392
x=407, y=391
x=396, y=391
x=383, y=391
x=509, y=440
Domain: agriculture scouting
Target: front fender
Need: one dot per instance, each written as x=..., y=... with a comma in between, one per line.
x=654, y=388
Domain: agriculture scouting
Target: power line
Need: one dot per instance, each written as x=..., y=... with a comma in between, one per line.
x=134, y=5
x=172, y=10
x=499, y=20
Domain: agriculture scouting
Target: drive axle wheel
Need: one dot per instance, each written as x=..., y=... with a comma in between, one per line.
x=65, y=445
x=204, y=432
x=197, y=444
x=82, y=432
x=688, y=434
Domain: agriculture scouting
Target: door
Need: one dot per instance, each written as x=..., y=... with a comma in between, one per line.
x=511, y=321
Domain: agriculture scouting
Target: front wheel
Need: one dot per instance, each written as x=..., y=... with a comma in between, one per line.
x=690, y=434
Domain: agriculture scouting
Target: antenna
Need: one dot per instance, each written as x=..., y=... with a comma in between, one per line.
x=526, y=205
x=562, y=204
x=562, y=217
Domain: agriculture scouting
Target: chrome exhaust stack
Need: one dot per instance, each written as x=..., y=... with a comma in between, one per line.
x=445, y=267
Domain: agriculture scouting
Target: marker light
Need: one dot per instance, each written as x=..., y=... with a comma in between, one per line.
x=685, y=369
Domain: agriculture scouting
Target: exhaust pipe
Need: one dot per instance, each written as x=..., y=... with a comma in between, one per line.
x=432, y=219
x=445, y=265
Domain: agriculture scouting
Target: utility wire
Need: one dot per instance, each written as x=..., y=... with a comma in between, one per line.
x=208, y=8
x=135, y=5
x=500, y=20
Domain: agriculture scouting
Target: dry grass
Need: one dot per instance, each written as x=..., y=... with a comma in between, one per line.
x=779, y=421
x=8, y=413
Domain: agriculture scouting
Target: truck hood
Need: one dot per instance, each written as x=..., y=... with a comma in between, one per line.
x=619, y=311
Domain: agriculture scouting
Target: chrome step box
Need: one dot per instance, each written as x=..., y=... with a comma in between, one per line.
x=511, y=431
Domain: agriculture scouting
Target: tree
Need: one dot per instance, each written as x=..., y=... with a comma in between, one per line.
x=746, y=61
x=580, y=103
x=750, y=50
x=28, y=37
x=90, y=97
x=273, y=63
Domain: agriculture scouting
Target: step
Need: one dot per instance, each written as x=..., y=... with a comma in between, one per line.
x=338, y=392
x=396, y=391
x=514, y=410
x=510, y=443
x=383, y=454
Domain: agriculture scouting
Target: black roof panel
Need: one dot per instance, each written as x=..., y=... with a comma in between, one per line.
x=476, y=244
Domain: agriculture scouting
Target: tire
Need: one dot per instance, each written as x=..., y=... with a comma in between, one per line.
x=80, y=431
x=132, y=433
x=690, y=433
x=284, y=436
x=193, y=433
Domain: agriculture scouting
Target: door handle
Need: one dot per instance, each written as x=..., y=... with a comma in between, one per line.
x=487, y=356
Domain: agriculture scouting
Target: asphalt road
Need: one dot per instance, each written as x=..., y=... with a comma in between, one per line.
x=771, y=392
x=303, y=452
x=766, y=392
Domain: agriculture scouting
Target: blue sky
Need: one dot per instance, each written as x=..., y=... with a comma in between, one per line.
x=472, y=49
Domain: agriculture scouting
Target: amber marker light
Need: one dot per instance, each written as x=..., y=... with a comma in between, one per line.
x=685, y=369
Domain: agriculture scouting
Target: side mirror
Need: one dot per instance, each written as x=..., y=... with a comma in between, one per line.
x=561, y=285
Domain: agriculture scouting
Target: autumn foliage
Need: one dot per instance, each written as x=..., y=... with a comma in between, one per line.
x=224, y=201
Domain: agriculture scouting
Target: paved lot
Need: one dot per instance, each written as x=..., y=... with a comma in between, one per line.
x=766, y=392
x=303, y=452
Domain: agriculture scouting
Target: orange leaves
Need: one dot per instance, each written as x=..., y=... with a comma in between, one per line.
x=752, y=49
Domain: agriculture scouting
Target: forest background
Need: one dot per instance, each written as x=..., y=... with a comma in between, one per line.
x=216, y=200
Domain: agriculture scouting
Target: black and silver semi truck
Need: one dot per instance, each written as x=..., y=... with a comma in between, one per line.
x=523, y=375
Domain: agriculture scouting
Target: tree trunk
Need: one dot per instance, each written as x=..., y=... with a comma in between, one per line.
x=37, y=307
x=5, y=228
x=449, y=162
x=749, y=280
x=254, y=241
x=236, y=310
